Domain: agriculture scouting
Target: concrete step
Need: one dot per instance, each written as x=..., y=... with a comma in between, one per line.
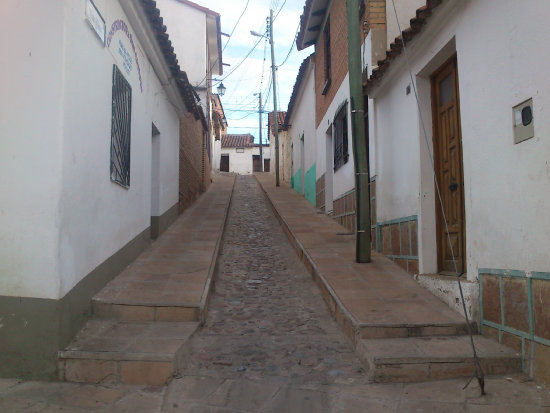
x=109, y=351
x=452, y=328
x=434, y=358
x=145, y=311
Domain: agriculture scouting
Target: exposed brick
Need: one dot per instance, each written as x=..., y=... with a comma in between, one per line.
x=542, y=364
x=395, y=247
x=413, y=267
x=512, y=341
x=491, y=298
x=541, y=308
x=516, y=312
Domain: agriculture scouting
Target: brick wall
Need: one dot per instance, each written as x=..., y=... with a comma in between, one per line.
x=339, y=59
x=344, y=210
x=515, y=311
x=398, y=240
x=320, y=193
x=375, y=15
x=192, y=174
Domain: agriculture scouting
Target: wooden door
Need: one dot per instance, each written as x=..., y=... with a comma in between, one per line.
x=449, y=170
x=224, y=163
x=256, y=163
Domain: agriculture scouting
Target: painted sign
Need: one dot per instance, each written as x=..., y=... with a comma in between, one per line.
x=122, y=51
x=95, y=20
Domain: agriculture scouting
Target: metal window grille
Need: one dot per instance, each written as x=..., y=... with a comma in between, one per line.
x=121, y=118
x=341, y=154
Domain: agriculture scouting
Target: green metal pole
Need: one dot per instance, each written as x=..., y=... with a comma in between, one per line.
x=360, y=150
x=276, y=118
x=260, y=113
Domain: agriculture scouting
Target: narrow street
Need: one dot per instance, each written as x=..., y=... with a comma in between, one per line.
x=269, y=343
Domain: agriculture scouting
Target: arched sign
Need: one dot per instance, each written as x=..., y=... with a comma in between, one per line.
x=127, y=59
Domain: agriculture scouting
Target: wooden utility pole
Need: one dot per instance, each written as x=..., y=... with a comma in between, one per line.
x=359, y=143
x=276, y=118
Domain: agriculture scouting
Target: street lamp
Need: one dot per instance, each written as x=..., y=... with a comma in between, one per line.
x=221, y=89
x=276, y=118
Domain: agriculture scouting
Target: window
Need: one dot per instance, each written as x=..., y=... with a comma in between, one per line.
x=120, y=129
x=326, y=44
x=341, y=155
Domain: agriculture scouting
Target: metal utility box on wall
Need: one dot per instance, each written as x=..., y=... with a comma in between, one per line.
x=524, y=124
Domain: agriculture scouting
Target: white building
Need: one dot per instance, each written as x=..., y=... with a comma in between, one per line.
x=305, y=156
x=482, y=119
x=239, y=154
x=89, y=138
x=187, y=20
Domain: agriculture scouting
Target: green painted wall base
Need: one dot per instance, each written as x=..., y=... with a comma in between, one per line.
x=309, y=184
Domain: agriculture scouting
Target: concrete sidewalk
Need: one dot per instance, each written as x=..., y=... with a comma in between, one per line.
x=399, y=329
x=144, y=318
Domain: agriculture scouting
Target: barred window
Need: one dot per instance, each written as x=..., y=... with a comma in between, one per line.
x=121, y=118
x=341, y=155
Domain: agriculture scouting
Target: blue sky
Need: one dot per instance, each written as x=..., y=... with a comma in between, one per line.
x=240, y=104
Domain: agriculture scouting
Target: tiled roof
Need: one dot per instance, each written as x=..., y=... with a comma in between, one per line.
x=296, y=89
x=280, y=119
x=311, y=21
x=237, y=141
x=395, y=49
x=185, y=88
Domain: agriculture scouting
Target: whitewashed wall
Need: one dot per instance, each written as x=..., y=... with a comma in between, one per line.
x=343, y=180
x=185, y=22
x=507, y=186
x=73, y=217
x=31, y=85
x=302, y=122
x=241, y=163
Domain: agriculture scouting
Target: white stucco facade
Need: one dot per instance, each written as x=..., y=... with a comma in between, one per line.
x=507, y=185
x=303, y=136
x=342, y=179
x=61, y=215
x=240, y=159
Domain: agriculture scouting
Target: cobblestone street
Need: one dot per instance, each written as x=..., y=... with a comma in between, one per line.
x=270, y=345
x=268, y=334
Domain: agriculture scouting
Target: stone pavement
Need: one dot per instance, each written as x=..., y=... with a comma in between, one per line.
x=400, y=330
x=270, y=345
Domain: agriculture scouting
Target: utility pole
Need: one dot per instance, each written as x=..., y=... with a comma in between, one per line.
x=260, y=113
x=360, y=148
x=276, y=120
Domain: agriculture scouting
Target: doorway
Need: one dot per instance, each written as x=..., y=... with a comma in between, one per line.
x=329, y=162
x=224, y=163
x=155, y=181
x=449, y=173
x=256, y=163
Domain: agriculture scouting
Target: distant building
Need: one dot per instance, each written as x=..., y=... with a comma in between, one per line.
x=239, y=154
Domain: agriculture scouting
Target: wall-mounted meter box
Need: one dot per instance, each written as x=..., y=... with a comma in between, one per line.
x=524, y=123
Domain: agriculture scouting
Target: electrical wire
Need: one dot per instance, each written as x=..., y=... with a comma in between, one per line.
x=478, y=372
x=291, y=47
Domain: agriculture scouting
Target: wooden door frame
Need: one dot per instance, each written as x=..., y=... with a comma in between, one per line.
x=435, y=138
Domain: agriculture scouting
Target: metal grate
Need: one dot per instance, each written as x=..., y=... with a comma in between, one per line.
x=120, y=129
x=341, y=137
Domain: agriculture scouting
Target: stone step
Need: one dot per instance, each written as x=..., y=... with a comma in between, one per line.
x=109, y=351
x=144, y=311
x=434, y=358
x=375, y=331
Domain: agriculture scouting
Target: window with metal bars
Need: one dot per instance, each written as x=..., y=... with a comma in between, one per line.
x=341, y=154
x=121, y=118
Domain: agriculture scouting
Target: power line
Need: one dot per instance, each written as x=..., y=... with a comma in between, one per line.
x=291, y=47
x=236, y=24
